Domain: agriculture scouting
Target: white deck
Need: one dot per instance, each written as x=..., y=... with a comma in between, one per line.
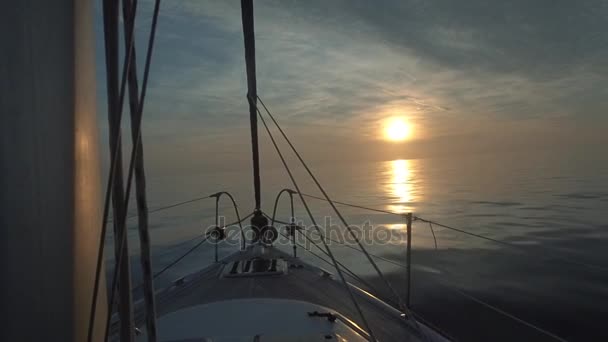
x=189, y=305
x=248, y=319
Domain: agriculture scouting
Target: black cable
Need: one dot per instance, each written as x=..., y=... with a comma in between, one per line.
x=295, y=184
x=348, y=271
x=140, y=190
x=545, y=254
x=477, y=300
x=132, y=159
x=113, y=163
x=168, y=206
x=355, y=205
x=356, y=249
x=351, y=273
x=417, y=218
x=342, y=219
x=174, y=262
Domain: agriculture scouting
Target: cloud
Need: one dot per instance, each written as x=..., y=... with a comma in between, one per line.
x=334, y=67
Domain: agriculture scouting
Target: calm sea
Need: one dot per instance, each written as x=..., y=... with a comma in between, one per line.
x=552, y=207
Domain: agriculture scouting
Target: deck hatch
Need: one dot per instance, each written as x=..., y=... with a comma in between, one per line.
x=256, y=267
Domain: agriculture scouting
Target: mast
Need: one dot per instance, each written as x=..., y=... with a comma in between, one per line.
x=49, y=157
x=252, y=93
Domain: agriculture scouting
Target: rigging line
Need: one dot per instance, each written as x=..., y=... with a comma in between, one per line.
x=176, y=204
x=416, y=218
x=111, y=21
x=171, y=264
x=349, y=272
x=140, y=188
x=134, y=154
x=169, y=206
x=438, y=330
x=433, y=232
x=545, y=254
x=496, y=309
x=346, y=225
x=352, y=274
x=479, y=301
x=502, y=312
x=180, y=244
x=346, y=269
x=355, y=205
x=357, y=249
x=113, y=168
x=174, y=262
x=333, y=259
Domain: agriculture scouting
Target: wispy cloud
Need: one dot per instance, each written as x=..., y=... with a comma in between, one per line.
x=452, y=68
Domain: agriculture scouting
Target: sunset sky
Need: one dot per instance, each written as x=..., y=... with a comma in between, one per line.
x=462, y=76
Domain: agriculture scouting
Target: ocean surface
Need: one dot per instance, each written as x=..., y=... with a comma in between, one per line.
x=548, y=211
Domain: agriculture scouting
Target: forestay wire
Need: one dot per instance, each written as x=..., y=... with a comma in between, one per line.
x=338, y=213
x=416, y=218
x=311, y=216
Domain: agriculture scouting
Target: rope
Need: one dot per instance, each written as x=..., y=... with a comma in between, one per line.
x=113, y=164
x=346, y=225
x=479, y=301
x=125, y=311
x=504, y=313
x=140, y=185
x=346, y=269
x=356, y=249
x=545, y=254
x=168, y=206
x=174, y=262
x=134, y=151
x=176, y=204
x=351, y=273
x=330, y=254
x=355, y=205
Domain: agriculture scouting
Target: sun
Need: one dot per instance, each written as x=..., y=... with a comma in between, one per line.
x=397, y=129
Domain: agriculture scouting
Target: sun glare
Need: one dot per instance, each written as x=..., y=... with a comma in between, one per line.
x=397, y=129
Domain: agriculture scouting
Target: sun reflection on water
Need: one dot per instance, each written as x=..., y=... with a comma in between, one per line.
x=400, y=186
